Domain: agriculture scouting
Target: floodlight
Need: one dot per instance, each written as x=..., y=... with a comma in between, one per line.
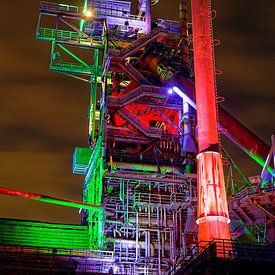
x=88, y=13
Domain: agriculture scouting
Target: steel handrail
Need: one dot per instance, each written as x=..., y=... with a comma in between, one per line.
x=71, y=66
x=59, y=7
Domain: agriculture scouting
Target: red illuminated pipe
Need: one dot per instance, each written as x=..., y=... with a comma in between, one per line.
x=204, y=75
x=213, y=218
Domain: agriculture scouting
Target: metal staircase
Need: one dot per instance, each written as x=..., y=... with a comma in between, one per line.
x=133, y=73
x=136, y=94
x=141, y=42
x=134, y=121
x=252, y=204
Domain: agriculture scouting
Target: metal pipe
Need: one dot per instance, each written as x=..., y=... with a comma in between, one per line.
x=184, y=32
x=204, y=75
x=48, y=199
x=137, y=236
x=213, y=218
x=159, y=255
x=148, y=16
x=183, y=18
x=165, y=218
x=148, y=243
x=243, y=137
x=163, y=244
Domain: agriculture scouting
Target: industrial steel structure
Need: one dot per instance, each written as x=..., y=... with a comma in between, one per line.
x=146, y=209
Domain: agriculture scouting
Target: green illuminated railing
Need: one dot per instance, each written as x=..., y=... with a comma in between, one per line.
x=70, y=67
x=46, y=6
x=52, y=34
x=72, y=37
x=39, y=234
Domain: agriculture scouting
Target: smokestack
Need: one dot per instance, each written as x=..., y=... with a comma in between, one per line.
x=213, y=218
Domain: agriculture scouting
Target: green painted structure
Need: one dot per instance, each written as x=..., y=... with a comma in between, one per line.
x=41, y=234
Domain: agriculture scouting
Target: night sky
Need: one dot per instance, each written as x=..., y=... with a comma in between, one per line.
x=43, y=114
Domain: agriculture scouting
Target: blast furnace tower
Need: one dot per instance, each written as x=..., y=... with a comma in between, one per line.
x=140, y=195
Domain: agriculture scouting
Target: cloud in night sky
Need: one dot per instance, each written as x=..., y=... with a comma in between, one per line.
x=44, y=114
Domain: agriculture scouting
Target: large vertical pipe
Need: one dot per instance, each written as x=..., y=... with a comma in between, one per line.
x=184, y=32
x=188, y=142
x=204, y=74
x=148, y=16
x=213, y=221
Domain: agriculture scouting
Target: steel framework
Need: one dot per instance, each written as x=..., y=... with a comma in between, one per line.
x=140, y=192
